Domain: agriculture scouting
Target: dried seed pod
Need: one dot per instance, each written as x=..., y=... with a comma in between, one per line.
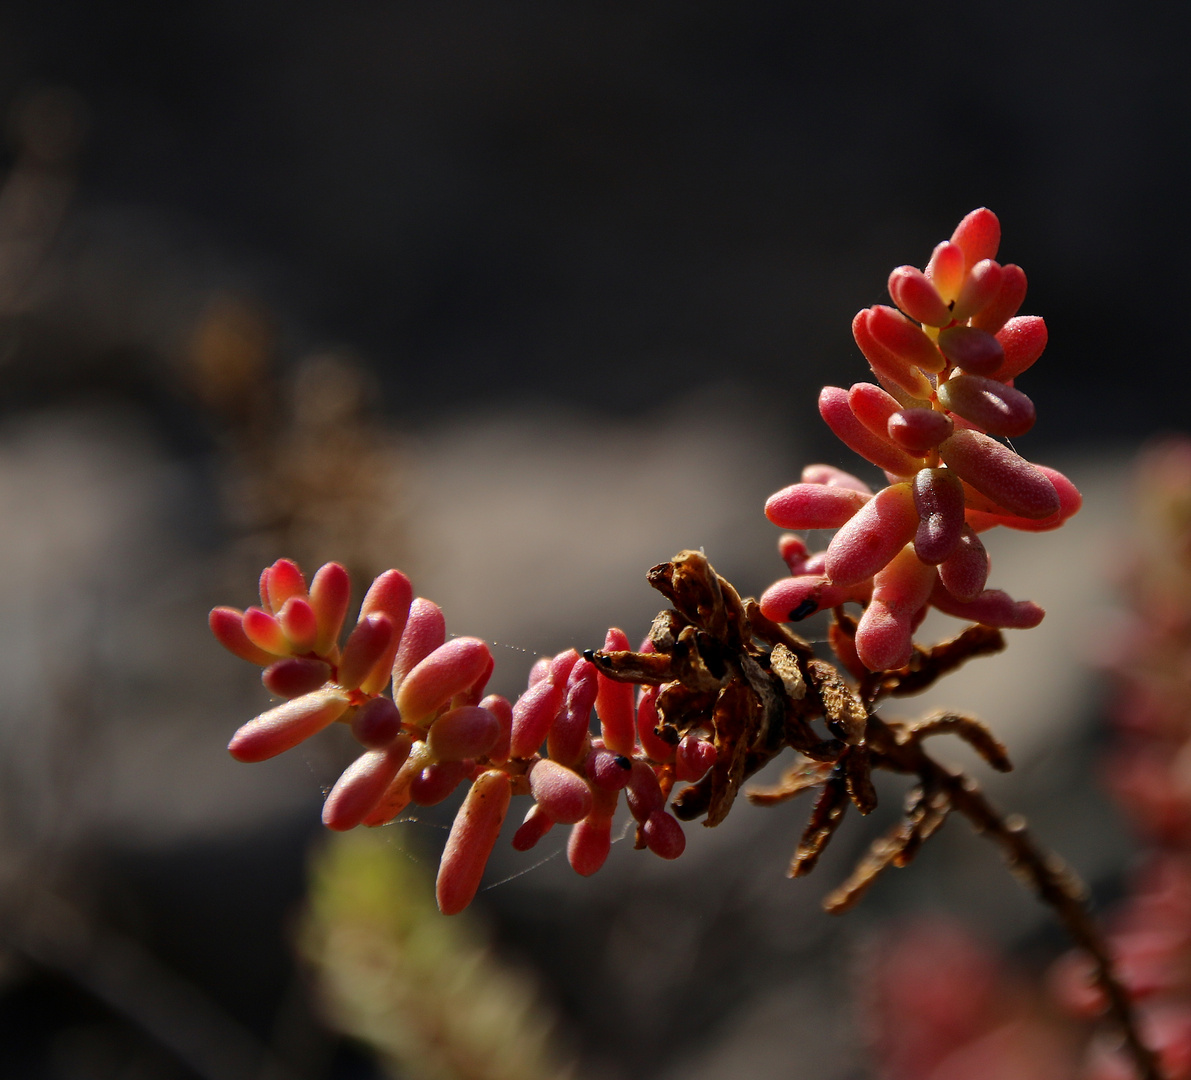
x=473, y=835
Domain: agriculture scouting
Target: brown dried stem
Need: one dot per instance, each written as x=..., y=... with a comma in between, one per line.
x=723, y=667
x=1055, y=883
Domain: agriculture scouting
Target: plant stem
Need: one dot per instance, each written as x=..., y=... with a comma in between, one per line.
x=1055, y=883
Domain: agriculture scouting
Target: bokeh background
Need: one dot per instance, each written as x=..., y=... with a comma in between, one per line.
x=521, y=298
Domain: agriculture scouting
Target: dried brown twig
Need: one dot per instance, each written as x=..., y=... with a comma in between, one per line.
x=758, y=688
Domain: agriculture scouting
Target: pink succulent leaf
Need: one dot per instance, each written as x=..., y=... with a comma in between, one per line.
x=905, y=339
x=939, y=500
x=1023, y=340
x=537, y=824
x=946, y=270
x=990, y=405
x=614, y=703
x=998, y=473
x=279, y=582
x=283, y=727
x=796, y=598
x=361, y=786
x=472, y=837
x=295, y=676
x=838, y=415
x=916, y=295
x=376, y=723
x=980, y=288
x=976, y=351
x=227, y=624
x=874, y=535
x=813, y=506
x=978, y=235
x=299, y=624
x=1006, y=303
x=991, y=607
x=390, y=594
x=919, y=431
x=964, y=572
x=566, y=739
x=589, y=844
x=657, y=748
x=893, y=372
x=366, y=644
x=425, y=630
x=330, y=593
x=451, y=669
x=466, y=732
x=562, y=793
x=884, y=635
x=833, y=477
x=663, y=835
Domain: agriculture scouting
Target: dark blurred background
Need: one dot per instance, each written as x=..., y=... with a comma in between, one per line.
x=521, y=298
